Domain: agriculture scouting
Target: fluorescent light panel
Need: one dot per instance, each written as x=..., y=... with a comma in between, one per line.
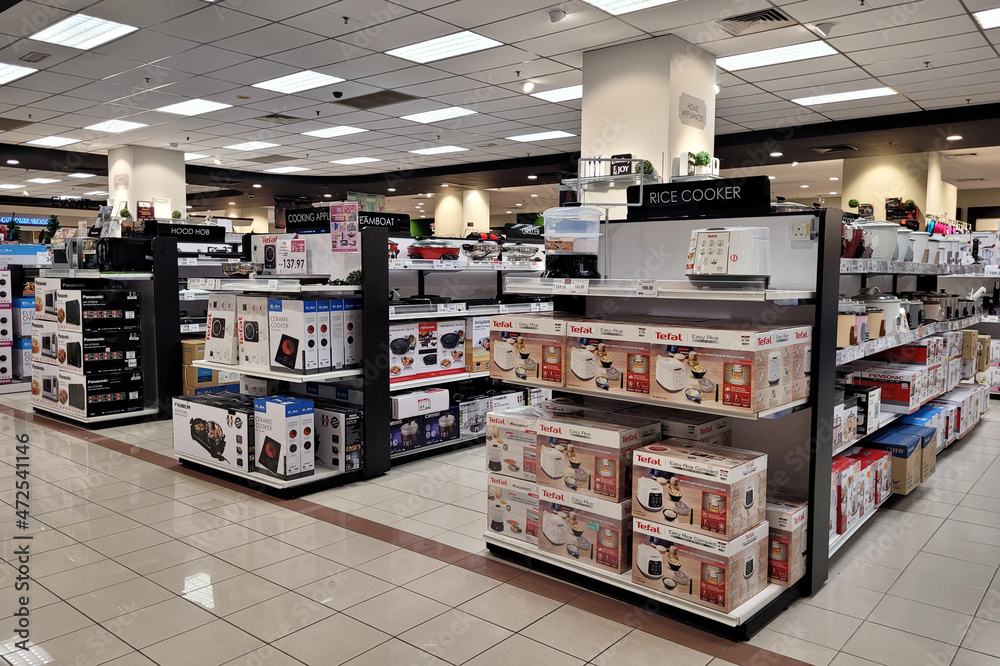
x=53, y=141
x=448, y=46
x=115, y=126
x=438, y=150
x=10, y=73
x=44, y=181
x=541, y=136
x=844, y=96
x=80, y=175
x=252, y=145
x=193, y=156
x=617, y=7
x=989, y=18
x=82, y=32
x=286, y=169
x=355, y=160
x=293, y=83
x=560, y=94
x=193, y=107
x=8, y=186
x=330, y=132
x=95, y=193
x=439, y=115
x=775, y=56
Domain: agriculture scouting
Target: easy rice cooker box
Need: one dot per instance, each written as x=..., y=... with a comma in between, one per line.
x=721, y=365
x=608, y=356
x=787, y=541
x=528, y=349
x=719, y=574
x=512, y=507
x=705, y=428
x=578, y=527
x=710, y=490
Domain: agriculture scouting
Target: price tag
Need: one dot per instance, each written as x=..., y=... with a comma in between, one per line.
x=991, y=271
x=647, y=288
x=187, y=261
x=272, y=284
x=504, y=309
x=392, y=310
x=291, y=259
x=571, y=287
x=441, y=264
x=540, y=307
x=188, y=296
x=196, y=283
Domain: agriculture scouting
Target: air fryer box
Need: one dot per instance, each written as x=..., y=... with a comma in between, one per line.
x=512, y=507
x=97, y=310
x=21, y=353
x=323, y=335
x=578, y=527
x=440, y=426
x=787, y=536
x=44, y=342
x=221, y=338
x=352, y=331
x=24, y=314
x=339, y=436
x=208, y=427
x=264, y=250
x=100, y=395
x=278, y=436
x=100, y=352
x=528, y=349
x=336, y=334
x=718, y=574
x=609, y=356
x=711, y=490
x=252, y=332
x=288, y=337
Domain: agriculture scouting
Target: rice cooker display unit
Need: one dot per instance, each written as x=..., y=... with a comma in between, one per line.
x=729, y=253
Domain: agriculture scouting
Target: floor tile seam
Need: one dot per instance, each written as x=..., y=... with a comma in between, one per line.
x=914, y=633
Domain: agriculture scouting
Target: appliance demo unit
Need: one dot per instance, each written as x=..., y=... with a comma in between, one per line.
x=729, y=253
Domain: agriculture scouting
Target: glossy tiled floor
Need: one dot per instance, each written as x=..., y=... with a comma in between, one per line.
x=140, y=563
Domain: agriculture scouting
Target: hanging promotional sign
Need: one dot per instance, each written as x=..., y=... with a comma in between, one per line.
x=725, y=196
x=344, y=230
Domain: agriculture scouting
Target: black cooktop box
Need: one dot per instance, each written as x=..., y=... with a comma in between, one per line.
x=100, y=395
x=99, y=352
x=92, y=310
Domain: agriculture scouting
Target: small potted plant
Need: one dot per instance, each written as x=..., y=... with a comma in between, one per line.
x=124, y=214
x=703, y=163
x=647, y=168
x=176, y=215
x=853, y=203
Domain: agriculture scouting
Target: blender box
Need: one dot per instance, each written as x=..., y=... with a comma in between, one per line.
x=44, y=342
x=579, y=527
x=221, y=339
x=24, y=314
x=511, y=443
x=528, y=349
x=440, y=426
x=409, y=404
x=711, y=572
x=901, y=389
x=512, y=507
x=97, y=310
x=477, y=344
x=100, y=395
x=787, y=540
x=846, y=484
x=252, y=329
x=215, y=430
x=339, y=436
x=99, y=352
x=289, y=336
x=722, y=365
x=869, y=406
x=21, y=355
x=711, y=490
x=607, y=355
x=278, y=431
x=906, y=458
x=406, y=435
x=352, y=331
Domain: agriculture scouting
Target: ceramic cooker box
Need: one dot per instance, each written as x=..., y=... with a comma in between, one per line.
x=719, y=574
x=592, y=531
x=289, y=335
x=607, y=356
x=721, y=365
x=711, y=490
x=99, y=352
x=100, y=395
x=221, y=338
x=211, y=429
x=278, y=431
x=512, y=507
x=97, y=310
x=528, y=349
x=353, y=315
x=787, y=540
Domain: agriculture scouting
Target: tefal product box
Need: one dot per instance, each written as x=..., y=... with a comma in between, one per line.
x=253, y=330
x=352, y=331
x=277, y=425
x=704, y=428
x=99, y=352
x=100, y=395
x=592, y=531
x=45, y=385
x=528, y=349
x=405, y=405
x=847, y=482
x=45, y=342
x=214, y=428
x=288, y=335
x=21, y=356
x=97, y=310
x=711, y=490
x=192, y=349
x=869, y=407
x=724, y=366
x=711, y=572
x=512, y=443
x=24, y=314
x=512, y=507
x=901, y=389
x=221, y=337
x=339, y=436
x=883, y=470
x=264, y=250
x=477, y=344
x=786, y=560
x=608, y=356
x=906, y=458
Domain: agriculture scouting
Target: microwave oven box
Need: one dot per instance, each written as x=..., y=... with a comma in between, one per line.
x=45, y=293
x=581, y=528
x=607, y=356
x=906, y=458
x=45, y=385
x=715, y=573
x=477, y=344
x=528, y=349
x=97, y=310
x=289, y=336
x=512, y=507
x=724, y=366
x=846, y=489
x=787, y=536
x=339, y=436
x=100, y=352
x=192, y=349
x=221, y=337
x=100, y=395
x=711, y=490
x=512, y=443
x=252, y=330
x=405, y=405
x=45, y=342
x=353, y=315
x=210, y=427
x=21, y=357
x=24, y=314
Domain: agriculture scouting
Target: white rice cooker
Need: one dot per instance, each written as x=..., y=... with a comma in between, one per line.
x=892, y=306
x=884, y=236
x=553, y=462
x=504, y=355
x=729, y=253
x=670, y=374
x=555, y=529
x=903, y=249
x=649, y=492
x=919, y=241
x=582, y=363
x=649, y=561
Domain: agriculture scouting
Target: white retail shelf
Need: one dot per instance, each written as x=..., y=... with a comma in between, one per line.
x=402, y=455
x=669, y=289
x=15, y=387
x=402, y=264
x=869, y=266
x=441, y=379
x=92, y=273
x=735, y=618
x=989, y=319
x=841, y=539
x=281, y=376
x=281, y=484
x=849, y=354
x=445, y=310
x=885, y=418
x=149, y=411
x=275, y=285
x=621, y=179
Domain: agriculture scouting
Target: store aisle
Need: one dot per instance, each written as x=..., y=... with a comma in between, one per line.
x=140, y=562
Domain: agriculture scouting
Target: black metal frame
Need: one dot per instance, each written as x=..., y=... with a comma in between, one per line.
x=375, y=345
x=167, y=331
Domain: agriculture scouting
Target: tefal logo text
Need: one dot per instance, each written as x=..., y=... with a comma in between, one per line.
x=676, y=337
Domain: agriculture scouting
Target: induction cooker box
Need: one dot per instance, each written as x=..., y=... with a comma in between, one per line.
x=512, y=507
x=528, y=349
x=339, y=436
x=336, y=334
x=786, y=519
x=409, y=404
x=97, y=310
x=278, y=430
x=289, y=321
x=264, y=250
x=353, y=315
x=7, y=362
x=595, y=532
x=21, y=353
x=100, y=395
x=100, y=352
x=44, y=341
x=8, y=323
x=211, y=428
x=253, y=331
x=222, y=336
x=710, y=490
x=608, y=355
x=323, y=358
x=196, y=377
x=714, y=573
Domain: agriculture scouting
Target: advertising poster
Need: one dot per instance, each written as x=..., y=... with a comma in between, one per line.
x=344, y=230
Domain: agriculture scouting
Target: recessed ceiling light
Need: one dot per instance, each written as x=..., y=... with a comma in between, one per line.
x=391, y=189
x=509, y=212
x=541, y=136
x=777, y=56
x=293, y=83
x=10, y=73
x=844, y=96
x=444, y=184
x=717, y=89
x=617, y=7
x=8, y=186
x=217, y=161
x=954, y=137
x=560, y=94
x=82, y=32
x=286, y=169
x=98, y=193
x=13, y=162
x=795, y=163
x=834, y=178
x=44, y=181
x=256, y=186
x=328, y=196
x=517, y=204
x=776, y=154
x=989, y=18
x=528, y=86
x=355, y=160
x=193, y=156
x=193, y=107
x=803, y=186
x=252, y=145
x=232, y=203
x=534, y=195
x=832, y=192
x=438, y=150
x=770, y=177
x=330, y=132
x=448, y=46
x=115, y=126
x=439, y=115
x=189, y=206
x=80, y=175
x=53, y=141
x=532, y=177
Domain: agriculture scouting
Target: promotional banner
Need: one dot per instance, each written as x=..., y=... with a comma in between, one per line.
x=344, y=236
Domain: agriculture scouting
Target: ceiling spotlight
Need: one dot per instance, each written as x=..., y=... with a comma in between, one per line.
x=534, y=195
x=528, y=86
x=444, y=184
x=256, y=186
x=954, y=137
x=532, y=177
x=517, y=204
x=232, y=203
x=834, y=178
x=509, y=212
x=776, y=154
x=217, y=160
x=717, y=89
x=770, y=177
x=832, y=192
x=556, y=15
x=804, y=186
x=823, y=29
x=392, y=189
x=328, y=196
x=795, y=163
x=13, y=162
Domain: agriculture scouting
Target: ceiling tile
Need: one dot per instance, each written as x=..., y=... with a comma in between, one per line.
x=884, y=110
x=529, y=26
x=906, y=34
x=584, y=37
x=201, y=87
x=937, y=73
x=94, y=66
x=666, y=18
x=20, y=96
x=499, y=56
x=404, y=31
x=926, y=47
x=49, y=82
x=271, y=10
x=472, y=13
x=268, y=40
x=405, y=77
x=143, y=14
x=905, y=64
x=203, y=59
x=453, y=84
x=210, y=24
x=146, y=46
x=28, y=18
x=804, y=68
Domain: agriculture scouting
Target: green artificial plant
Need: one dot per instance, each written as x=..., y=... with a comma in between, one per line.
x=853, y=203
x=14, y=230
x=50, y=230
x=702, y=159
x=176, y=215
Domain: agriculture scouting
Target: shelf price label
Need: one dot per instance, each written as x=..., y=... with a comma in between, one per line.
x=541, y=307
x=991, y=271
x=187, y=261
x=571, y=287
x=647, y=288
x=392, y=310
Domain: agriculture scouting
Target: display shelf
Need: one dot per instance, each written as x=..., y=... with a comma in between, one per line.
x=322, y=474
x=837, y=543
x=281, y=376
x=738, y=616
x=447, y=310
x=989, y=319
x=849, y=354
x=885, y=418
x=667, y=289
x=403, y=455
x=403, y=264
x=886, y=267
x=16, y=386
x=626, y=179
x=92, y=273
x=440, y=379
x=148, y=411
x=275, y=285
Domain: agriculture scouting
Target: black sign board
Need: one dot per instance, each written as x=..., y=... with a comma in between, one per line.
x=727, y=196
x=621, y=164
x=392, y=221
x=192, y=232
x=308, y=220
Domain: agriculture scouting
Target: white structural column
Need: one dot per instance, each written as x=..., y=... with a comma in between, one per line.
x=139, y=173
x=475, y=211
x=448, y=214
x=917, y=176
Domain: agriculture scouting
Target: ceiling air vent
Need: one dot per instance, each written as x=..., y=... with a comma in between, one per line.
x=10, y=124
x=268, y=159
x=837, y=148
x=34, y=56
x=953, y=156
x=746, y=24
x=375, y=100
x=279, y=119
x=970, y=180
x=486, y=145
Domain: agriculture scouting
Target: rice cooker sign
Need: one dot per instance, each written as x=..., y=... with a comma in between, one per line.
x=750, y=196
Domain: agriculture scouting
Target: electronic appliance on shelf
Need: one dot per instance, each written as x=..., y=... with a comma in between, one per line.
x=50, y=388
x=50, y=344
x=125, y=254
x=729, y=253
x=582, y=363
x=670, y=374
x=210, y=436
x=553, y=462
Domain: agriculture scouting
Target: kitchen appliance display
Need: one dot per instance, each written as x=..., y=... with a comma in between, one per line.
x=533, y=353
x=572, y=238
x=50, y=388
x=729, y=253
x=594, y=532
x=608, y=355
x=513, y=508
x=50, y=344
x=432, y=248
x=555, y=529
x=210, y=436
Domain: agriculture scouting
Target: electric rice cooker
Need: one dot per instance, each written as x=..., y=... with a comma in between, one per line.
x=903, y=249
x=891, y=305
x=884, y=235
x=919, y=241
